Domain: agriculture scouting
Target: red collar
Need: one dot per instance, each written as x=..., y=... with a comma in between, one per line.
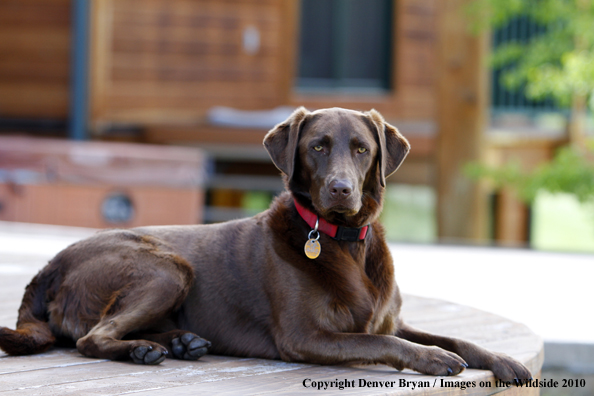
x=337, y=232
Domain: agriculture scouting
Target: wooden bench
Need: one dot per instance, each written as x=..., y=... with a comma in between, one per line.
x=66, y=372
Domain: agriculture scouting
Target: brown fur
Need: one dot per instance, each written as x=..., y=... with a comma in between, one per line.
x=247, y=285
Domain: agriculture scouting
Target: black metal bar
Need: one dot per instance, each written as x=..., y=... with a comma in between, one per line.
x=79, y=70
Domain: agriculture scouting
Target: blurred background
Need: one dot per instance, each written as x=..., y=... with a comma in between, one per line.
x=129, y=112
x=207, y=79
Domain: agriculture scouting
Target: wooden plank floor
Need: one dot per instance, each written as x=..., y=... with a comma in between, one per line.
x=66, y=372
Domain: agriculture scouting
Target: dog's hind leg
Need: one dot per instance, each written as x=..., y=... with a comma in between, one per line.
x=104, y=340
x=139, y=307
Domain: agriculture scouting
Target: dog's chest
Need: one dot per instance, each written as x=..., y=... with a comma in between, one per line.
x=353, y=301
x=353, y=309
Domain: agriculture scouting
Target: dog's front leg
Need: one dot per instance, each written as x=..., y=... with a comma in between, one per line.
x=502, y=366
x=325, y=347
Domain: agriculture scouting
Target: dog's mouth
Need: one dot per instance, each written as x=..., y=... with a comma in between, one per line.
x=345, y=209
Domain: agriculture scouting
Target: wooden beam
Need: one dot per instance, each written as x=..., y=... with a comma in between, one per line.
x=462, y=114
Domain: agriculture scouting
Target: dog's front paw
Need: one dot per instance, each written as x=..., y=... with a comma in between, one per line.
x=148, y=354
x=508, y=369
x=436, y=361
x=189, y=347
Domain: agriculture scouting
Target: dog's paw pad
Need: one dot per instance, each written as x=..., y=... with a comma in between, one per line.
x=146, y=354
x=189, y=346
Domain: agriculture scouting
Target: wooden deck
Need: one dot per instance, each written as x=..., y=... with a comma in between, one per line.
x=66, y=372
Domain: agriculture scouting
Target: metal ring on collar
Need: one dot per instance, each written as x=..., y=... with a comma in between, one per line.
x=315, y=230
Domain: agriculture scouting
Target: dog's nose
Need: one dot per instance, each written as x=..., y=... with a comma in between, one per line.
x=340, y=189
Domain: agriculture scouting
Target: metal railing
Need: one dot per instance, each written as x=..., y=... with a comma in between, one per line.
x=520, y=29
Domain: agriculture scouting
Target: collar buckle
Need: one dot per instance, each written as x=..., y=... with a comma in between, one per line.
x=348, y=234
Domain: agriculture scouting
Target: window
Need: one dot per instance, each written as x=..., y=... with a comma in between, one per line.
x=345, y=45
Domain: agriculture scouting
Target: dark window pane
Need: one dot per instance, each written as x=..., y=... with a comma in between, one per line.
x=367, y=40
x=345, y=43
x=316, y=39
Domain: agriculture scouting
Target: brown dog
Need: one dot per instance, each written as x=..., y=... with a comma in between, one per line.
x=248, y=285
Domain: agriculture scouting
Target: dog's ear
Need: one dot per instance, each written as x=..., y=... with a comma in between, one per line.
x=393, y=147
x=281, y=141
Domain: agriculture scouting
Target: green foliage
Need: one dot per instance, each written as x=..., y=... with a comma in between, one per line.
x=571, y=171
x=558, y=63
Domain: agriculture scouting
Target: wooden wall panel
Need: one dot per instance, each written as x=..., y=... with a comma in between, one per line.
x=170, y=60
x=34, y=58
x=56, y=181
x=80, y=205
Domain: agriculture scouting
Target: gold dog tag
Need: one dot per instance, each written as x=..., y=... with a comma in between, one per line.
x=312, y=248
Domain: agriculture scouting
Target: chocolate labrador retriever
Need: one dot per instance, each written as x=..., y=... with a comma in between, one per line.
x=309, y=280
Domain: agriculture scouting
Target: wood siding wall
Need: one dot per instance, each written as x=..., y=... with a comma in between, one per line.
x=160, y=62
x=34, y=58
x=166, y=61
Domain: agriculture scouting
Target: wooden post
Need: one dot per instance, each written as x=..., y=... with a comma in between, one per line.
x=80, y=61
x=462, y=117
x=290, y=37
x=101, y=38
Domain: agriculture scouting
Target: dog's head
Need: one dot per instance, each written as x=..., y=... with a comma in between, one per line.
x=335, y=158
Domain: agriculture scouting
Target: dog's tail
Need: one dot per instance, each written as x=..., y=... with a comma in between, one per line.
x=33, y=333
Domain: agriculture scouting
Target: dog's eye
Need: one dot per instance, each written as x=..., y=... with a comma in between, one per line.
x=318, y=148
x=361, y=150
